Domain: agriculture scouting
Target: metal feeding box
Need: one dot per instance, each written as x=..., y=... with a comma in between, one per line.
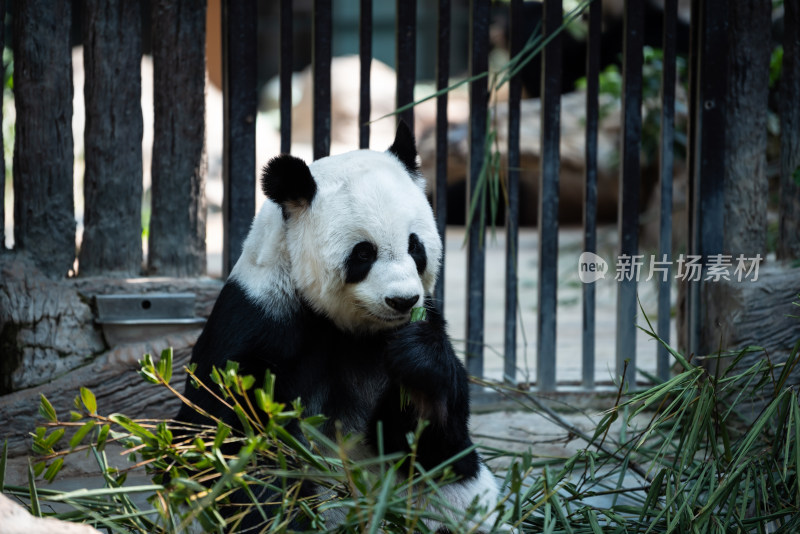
x=127, y=318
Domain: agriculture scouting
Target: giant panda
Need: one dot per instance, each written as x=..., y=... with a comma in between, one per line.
x=322, y=295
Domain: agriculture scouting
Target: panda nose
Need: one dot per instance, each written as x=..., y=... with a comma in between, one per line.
x=402, y=304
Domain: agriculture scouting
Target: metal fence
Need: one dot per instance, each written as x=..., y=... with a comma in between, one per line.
x=240, y=15
x=43, y=180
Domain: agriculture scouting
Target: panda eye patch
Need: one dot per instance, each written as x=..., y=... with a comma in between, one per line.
x=360, y=262
x=417, y=252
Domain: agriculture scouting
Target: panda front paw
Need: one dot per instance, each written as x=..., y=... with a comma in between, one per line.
x=419, y=355
x=421, y=360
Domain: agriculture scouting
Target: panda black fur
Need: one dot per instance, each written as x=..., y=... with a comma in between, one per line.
x=321, y=296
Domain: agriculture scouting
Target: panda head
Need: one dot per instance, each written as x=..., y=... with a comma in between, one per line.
x=360, y=237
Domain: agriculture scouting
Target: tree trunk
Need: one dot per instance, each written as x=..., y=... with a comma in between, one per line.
x=112, y=236
x=745, y=230
x=178, y=220
x=44, y=211
x=789, y=210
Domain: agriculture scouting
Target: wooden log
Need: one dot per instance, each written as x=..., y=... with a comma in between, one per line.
x=44, y=213
x=746, y=187
x=48, y=328
x=760, y=313
x=789, y=210
x=115, y=381
x=178, y=219
x=112, y=236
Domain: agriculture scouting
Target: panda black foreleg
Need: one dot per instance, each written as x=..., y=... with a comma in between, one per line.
x=428, y=382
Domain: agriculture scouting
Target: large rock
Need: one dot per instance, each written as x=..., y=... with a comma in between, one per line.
x=14, y=519
x=345, y=102
x=345, y=76
x=573, y=163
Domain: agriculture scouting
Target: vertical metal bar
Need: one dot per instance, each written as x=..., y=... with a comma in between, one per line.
x=2, y=154
x=476, y=254
x=365, y=57
x=708, y=208
x=688, y=318
x=239, y=125
x=440, y=190
x=321, y=66
x=665, y=171
x=512, y=213
x=285, y=75
x=628, y=210
x=406, y=58
x=548, y=197
x=590, y=188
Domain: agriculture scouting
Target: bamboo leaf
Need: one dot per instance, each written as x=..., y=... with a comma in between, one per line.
x=131, y=426
x=3, y=463
x=102, y=436
x=222, y=432
x=165, y=364
x=247, y=382
x=89, y=401
x=243, y=420
x=36, y=509
x=262, y=401
x=53, y=438
x=53, y=469
x=77, y=438
x=46, y=409
x=418, y=314
x=591, y=518
x=382, y=503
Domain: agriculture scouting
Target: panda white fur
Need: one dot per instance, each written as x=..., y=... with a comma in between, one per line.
x=321, y=296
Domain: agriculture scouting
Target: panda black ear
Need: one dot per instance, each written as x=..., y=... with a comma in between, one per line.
x=287, y=181
x=404, y=148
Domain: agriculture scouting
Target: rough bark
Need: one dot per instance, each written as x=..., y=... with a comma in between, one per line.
x=44, y=212
x=115, y=381
x=47, y=327
x=789, y=210
x=50, y=344
x=746, y=187
x=178, y=220
x=112, y=236
x=757, y=313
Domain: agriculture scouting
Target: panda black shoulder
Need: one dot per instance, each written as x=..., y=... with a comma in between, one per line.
x=240, y=330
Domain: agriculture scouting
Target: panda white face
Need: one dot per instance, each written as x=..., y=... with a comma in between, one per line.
x=361, y=240
x=367, y=249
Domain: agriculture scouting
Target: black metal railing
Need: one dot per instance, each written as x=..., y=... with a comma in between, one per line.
x=42, y=235
x=629, y=195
